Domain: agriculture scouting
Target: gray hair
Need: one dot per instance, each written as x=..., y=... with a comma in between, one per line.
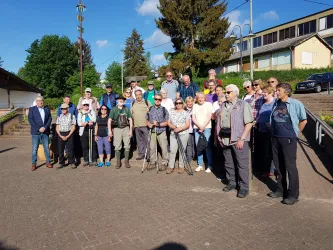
x=138, y=90
x=247, y=83
x=234, y=88
x=187, y=76
x=163, y=90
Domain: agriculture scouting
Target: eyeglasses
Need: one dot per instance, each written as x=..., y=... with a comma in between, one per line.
x=85, y=104
x=157, y=99
x=256, y=85
x=270, y=81
x=128, y=92
x=247, y=87
x=168, y=75
x=179, y=103
x=104, y=109
x=228, y=92
x=63, y=109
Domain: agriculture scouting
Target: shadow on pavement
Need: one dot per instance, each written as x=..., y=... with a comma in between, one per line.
x=4, y=247
x=271, y=184
x=169, y=246
x=7, y=149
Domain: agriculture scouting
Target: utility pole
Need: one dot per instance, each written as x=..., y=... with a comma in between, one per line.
x=81, y=8
x=122, y=71
x=251, y=43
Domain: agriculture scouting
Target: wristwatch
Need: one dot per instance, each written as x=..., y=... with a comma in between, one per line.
x=242, y=139
x=159, y=124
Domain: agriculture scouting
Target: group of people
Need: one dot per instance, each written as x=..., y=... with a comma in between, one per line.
x=217, y=123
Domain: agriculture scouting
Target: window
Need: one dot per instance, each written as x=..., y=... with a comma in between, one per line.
x=329, y=40
x=244, y=46
x=270, y=38
x=329, y=21
x=263, y=62
x=287, y=33
x=257, y=42
x=281, y=58
x=322, y=23
x=307, y=58
x=307, y=28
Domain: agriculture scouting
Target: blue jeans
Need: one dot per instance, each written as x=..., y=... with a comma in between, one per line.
x=35, y=144
x=209, y=155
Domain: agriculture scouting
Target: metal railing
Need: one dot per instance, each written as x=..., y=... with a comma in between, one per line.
x=321, y=127
x=9, y=112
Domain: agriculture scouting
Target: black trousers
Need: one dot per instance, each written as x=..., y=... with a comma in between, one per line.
x=85, y=146
x=69, y=144
x=284, y=157
x=263, y=152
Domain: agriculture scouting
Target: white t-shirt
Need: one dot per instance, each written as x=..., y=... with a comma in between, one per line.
x=247, y=97
x=137, y=88
x=201, y=111
x=216, y=106
x=168, y=104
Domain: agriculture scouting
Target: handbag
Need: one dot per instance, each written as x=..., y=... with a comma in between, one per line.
x=202, y=143
x=225, y=133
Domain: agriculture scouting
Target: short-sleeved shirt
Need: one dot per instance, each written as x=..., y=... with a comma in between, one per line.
x=150, y=97
x=139, y=111
x=171, y=87
x=201, y=111
x=264, y=115
x=102, y=123
x=211, y=98
x=159, y=114
x=191, y=90
x=128, y=102
x=116, y=112
x=66, y=122
x=179, y=119
x=281, y=121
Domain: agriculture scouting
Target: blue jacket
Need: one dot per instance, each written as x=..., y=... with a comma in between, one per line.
x=108, y=100
x=72, y=110
x=36, y=121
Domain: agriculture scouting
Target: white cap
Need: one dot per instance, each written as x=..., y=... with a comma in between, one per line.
x=87, y=90
x=85, y=101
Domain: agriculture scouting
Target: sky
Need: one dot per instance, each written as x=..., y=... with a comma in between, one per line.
x=108, y=23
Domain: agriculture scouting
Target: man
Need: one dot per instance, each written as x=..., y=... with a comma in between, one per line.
x=188, y=88
x=288, y=119
x=66, y=125
x=134, y=87
x=109, y=98
x=93, y=102
x=170, y=85
x=211, y=96
x=72, y=108
x=211, y=76
x=150, y=93
x=40, y=120
x=233, y=126
x=121, y=118
x=157, y=121
x=139, y=111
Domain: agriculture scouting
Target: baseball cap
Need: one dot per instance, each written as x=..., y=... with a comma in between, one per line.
x=151, y=83
x=87, y=90
x=108, y=86
x=85, y=102
x=64, y=106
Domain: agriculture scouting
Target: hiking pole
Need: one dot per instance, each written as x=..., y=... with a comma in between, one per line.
x=90, y=144
x=156, y=162
x=148, y=145
x=252, y=153
x=182, y=152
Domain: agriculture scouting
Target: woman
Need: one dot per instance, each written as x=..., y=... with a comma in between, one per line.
x=101, y=136
x=257, y=99
x=272, y=81
x=93, y=102
x=263, y=135
x=190, y=148
x=247, y=85
x=179, y=124
x=166, y=102
x=201, y=116
x=129, y=99
x=218, y=103
x=85, y=120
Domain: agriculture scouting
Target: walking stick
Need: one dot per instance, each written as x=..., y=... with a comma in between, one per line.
x=90, y=144
x=182, y=153
x=148, y=145
x=156, y=162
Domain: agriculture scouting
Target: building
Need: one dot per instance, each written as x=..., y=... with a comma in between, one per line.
x=303, y=43
x=15, y=91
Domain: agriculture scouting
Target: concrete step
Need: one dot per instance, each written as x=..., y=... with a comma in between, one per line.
x=27, y=133
x=23, y=130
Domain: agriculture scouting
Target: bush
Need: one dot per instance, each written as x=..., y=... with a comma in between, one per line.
x=8, y=116
x=53, y=103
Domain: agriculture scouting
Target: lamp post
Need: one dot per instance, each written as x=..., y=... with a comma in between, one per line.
x=81, y=8
x=251, y=35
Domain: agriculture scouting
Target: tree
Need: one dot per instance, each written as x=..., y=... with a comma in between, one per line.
x=135, y=62
x=50, y=62
x=87, y=54
x=198, y=33
x=150, y=66
x=113, y=76
x=1, y=61
x=90, y=78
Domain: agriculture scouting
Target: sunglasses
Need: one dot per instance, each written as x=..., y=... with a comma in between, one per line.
x=256, y=85
x=228, y=92
x=85, y=104
x=168, y=75
x=157, y=99
x=64, y=109
x=104, y=109
x=178, y=103
x=128, y=92
x=270, y=81
x=247, y=87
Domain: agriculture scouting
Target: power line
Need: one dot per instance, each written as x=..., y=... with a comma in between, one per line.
x=158, y=45
x=108, y=59
x=318, y=3
x=246, y=1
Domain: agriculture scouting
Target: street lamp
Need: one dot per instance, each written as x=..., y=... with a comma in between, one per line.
x=251, y=35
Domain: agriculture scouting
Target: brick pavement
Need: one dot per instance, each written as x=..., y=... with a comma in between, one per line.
x=95, y=209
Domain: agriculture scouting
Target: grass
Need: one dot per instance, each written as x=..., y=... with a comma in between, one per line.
x=328, y=119
x=8, y=116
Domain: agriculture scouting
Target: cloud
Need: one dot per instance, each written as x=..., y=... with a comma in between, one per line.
x=148, y=8
x=158, y=38
x=270, y=15
x=235, y=19
x=101, y=43
x=158, y=59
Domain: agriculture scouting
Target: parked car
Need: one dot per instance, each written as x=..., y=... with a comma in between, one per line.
x=316, y=83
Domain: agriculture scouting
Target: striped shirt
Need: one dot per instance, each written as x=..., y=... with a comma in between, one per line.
x=65, y=122
x=191, y=90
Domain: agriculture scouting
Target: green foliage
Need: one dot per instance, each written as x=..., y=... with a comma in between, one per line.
x=144, y=84
x=1, y=61
x=135, y=63
x=328, y=119
x=87, y=54
x=90, y=78
x=113, y=76
x=53, y=103
x=8, y=116
x=150, y=66
x=50, y=62
x=198, y=33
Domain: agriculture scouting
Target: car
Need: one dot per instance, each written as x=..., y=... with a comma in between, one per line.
x=316, y=83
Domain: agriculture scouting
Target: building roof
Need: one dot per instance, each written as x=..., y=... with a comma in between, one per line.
x=286, y=44
x=12, y=82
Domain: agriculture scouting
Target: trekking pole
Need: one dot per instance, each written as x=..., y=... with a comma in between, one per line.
x=148, y=145
x=182, y=152
x=252, y=153
x=90, y=143
x=156, y=162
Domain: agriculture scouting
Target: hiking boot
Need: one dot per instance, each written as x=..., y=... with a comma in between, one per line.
x=243, y=193
x=169, y=170
x=85, y=164
x=229, y=188
x=60, y=166
x=289, y=200
x=127, y=165
x=118, y=164
x=276, y=194
x=49, y=165
x=180, y=170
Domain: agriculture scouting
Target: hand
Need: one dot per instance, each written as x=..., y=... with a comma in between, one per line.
x=240, y=144
x=177, y=130
x=96, y=138
x=201, y=131
x=155, y=123
x=110, y=134
x=150, y=125
x=83, y=124
x=63, y=138
x=90, y=123
x=268, y=125
x=42, y=129
x=130, y=133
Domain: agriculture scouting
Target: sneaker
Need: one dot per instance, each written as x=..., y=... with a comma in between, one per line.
x=100, y=164
x=229, y=188
x=242, y=193
x=276, y=194
x=108, y=164
x=169, y=170
x=85, y=164
x=73, y=166
x=199, y=168
x=139, y=158
x=290, y=200
x=180, y=170
x=208, y=170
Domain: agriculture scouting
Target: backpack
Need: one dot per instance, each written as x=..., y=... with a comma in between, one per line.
x=122, y=120
x=202, y=143
x=144, y=100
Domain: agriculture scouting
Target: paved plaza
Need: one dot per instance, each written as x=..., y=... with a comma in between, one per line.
x=95, y=209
